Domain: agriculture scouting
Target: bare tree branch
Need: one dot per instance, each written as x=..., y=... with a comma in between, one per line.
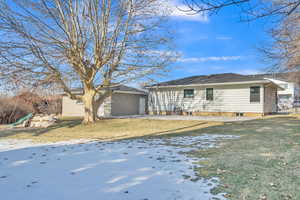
x=253, y=9
x=89, y=43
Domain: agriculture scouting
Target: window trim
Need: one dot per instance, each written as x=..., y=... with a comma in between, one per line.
x=206, y=94
x=259, y=96
x=188, y=97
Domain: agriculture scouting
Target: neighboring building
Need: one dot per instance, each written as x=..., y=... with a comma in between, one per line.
x=124, y=101
x=219, y=94
x=291, y=89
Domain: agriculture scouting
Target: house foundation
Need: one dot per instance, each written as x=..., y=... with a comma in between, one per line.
x=219, y=114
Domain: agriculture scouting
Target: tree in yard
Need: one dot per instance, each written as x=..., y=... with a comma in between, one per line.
x=252, y=8
x=92, y=43
x=282, y=52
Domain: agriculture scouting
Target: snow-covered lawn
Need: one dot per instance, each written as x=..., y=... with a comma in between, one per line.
x=140, y=169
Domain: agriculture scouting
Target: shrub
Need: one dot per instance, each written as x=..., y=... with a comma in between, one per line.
x=13, y=108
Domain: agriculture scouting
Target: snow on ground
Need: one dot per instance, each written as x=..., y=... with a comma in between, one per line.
x=140, y=169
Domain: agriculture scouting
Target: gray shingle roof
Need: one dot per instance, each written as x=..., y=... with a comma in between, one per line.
x=120, y=88
x=214, y=78
x=125, y=88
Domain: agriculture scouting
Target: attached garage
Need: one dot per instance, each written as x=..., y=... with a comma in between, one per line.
x=124, y=101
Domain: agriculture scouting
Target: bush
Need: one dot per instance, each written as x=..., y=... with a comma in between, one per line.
x=13, y=108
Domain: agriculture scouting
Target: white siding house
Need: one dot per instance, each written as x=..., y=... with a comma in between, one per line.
x=237, y=98
x=290, y=93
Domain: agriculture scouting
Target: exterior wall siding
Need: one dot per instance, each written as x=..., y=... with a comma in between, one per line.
x=270, y=102
x=105, y=109
x=72, y=108
x=75, y=108
x=233, y=98
x=116, y=105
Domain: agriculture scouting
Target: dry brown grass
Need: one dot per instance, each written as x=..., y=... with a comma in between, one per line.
x=4, y=126
x=295, y=115
x=108, y=129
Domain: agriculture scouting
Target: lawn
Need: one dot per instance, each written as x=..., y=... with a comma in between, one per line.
x=264, y=163
x=107, y=129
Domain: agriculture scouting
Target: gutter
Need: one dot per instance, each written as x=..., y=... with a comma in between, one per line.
x=212, y=84
x=128, y=92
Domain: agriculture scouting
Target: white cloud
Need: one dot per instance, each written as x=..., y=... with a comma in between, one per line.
x=223, y=38
x=181, y=11
x=163, y=53
x=211, y=58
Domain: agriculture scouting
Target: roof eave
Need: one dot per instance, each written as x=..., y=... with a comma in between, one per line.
x=114, y=91
x=212, y=84
x=129, y=92
x=277, y=86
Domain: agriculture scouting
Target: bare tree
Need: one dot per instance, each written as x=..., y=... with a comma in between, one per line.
x=252, y=8
x=91, y=43
x=282, y=52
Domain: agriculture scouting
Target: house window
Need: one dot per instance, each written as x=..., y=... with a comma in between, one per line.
x=209, y=94
x=255, y=94
x=188, y=93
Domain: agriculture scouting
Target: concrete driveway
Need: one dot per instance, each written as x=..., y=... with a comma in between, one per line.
x=181, y=117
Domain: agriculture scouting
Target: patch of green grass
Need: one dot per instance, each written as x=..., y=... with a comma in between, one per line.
x=263, y=162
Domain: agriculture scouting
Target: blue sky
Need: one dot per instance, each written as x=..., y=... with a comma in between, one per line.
x=217, y=44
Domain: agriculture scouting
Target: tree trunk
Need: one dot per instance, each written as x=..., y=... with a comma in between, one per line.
x=90, y=113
